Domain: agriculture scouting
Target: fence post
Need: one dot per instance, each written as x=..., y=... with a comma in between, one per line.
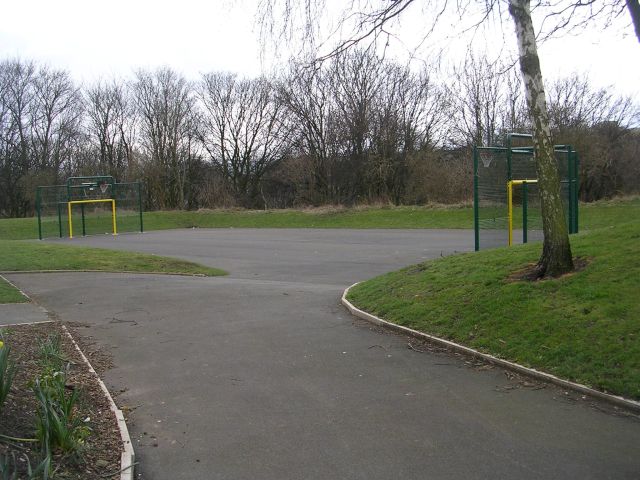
x=510, y=211
x=59, y=219
x=476, y=220
x=39, y=213
x=576, y=169
x=140, y=206
x=84, y=230
x=525, y=194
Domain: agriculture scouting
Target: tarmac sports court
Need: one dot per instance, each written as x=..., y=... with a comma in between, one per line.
x=263, y=375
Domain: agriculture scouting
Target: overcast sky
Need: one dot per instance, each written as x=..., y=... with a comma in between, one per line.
x=114, y=37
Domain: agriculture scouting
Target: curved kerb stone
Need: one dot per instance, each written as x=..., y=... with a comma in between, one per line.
x=538, y=375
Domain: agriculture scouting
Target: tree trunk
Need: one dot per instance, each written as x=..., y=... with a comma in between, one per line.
x=556, y=251
x=634, y=9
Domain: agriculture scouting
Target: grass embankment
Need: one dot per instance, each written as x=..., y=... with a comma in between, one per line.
x=584, y=326
x=20, y=256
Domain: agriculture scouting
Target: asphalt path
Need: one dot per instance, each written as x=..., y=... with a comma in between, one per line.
x=263, y=375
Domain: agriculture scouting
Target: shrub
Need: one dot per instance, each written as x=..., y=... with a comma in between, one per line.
x=51, y=353
x=9, y=468
x=58, y=427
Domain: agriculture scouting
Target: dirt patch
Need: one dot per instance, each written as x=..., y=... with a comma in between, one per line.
x=322, y=210
x=531, y=274
x=100, y=455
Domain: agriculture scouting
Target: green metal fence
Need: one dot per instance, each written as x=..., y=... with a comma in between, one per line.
x=496, y=170
x=59, y=206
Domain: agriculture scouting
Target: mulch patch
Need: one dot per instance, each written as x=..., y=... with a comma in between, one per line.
x=100, y=456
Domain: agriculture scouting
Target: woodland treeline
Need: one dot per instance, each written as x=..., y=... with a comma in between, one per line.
x=357, y=129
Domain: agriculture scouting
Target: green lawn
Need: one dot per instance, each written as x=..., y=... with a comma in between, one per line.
x=592, y=215
x=8, y=294
x=608, y=212
x=16, y=256
x=584, y=327
x=364, y=217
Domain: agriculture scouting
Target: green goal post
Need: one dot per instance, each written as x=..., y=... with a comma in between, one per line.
x=89, y=205
x=505, y=191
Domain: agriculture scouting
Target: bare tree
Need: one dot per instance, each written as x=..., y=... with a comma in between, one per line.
x=243, y=128
x=357, y=79
x=574, y=103
x=477, y=91
x=55, y=120
x=515, y=117
x=598, y=123
x=40, y=111
x=359, y=119
x=410, y=112
x=16, y=102
x=164, y=102
x=308, y=96
x=110, y=127
x=488, y=101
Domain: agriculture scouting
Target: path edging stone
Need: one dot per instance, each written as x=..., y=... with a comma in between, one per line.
x=538, y=375
x=127, y=457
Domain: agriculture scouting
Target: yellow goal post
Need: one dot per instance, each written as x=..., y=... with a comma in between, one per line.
x=77, y=202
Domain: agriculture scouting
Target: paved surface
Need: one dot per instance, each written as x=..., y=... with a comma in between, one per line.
x=263, y=375
x=17, y=313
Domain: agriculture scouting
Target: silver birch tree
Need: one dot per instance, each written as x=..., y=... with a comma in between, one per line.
x=556, y=256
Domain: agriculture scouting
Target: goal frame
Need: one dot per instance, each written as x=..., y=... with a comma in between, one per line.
x=53, y=207
x=83, y=202
x=498, y=169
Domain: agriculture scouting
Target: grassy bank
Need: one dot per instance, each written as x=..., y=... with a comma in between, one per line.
x=18, y=256
x=593, y=215
x=584, y=327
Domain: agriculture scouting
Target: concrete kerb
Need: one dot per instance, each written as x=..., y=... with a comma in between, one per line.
x=545, y=377
x=127, y=457
x=4, y=325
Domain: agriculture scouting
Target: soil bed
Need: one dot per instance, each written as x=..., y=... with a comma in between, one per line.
x=100, y=455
